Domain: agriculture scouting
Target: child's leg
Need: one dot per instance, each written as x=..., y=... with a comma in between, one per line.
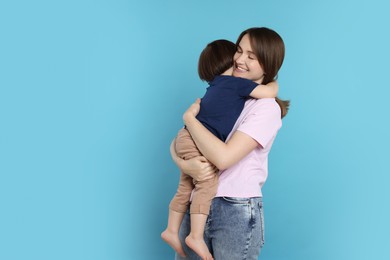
x=185, y=148
x=177, y=208
x=200, y=207
x=171, y=233
x=195, y=239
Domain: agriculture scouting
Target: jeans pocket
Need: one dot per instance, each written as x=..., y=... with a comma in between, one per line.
x=235, y=200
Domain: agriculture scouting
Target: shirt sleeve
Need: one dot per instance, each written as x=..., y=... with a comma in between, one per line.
x=264, y=121
x=245, y=86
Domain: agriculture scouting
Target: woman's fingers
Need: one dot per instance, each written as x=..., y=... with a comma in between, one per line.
x=194, y=108
x=202, y=159
x=199, y=168
x=209, y=168
x=208, y=172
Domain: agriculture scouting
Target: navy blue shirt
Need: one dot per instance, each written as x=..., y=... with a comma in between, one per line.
x=223, y=102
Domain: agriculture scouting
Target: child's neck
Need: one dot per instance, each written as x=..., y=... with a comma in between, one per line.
x=228, y=72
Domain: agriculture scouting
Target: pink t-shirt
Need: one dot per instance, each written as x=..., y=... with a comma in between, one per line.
x=261, y=120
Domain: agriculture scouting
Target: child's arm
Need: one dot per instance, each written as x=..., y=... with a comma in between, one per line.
x=265, y=91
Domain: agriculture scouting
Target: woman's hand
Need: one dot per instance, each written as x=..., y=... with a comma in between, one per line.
x=199, y=168
x=192, y=111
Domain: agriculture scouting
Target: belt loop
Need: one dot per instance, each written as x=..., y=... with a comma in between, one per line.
x=252, y=202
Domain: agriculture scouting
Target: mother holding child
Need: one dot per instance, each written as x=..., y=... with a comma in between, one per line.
x=222, y=152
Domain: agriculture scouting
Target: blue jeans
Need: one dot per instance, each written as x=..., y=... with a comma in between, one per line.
x=234, y=229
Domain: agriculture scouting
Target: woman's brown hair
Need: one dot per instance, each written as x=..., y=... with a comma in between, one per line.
x=269, y=49
x=215, y=59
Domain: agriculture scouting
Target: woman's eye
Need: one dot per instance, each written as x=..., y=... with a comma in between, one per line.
x=251, y=57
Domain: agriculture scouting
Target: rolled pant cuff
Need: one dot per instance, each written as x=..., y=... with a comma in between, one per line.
x=178, y=208
x=200, y=209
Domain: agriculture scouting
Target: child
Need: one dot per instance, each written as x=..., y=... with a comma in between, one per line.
x=220, y=107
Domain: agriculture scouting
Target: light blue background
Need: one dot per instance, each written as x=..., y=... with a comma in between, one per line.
x=92, y=93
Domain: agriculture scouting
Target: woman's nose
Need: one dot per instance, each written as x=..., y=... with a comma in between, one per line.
x=240, y=58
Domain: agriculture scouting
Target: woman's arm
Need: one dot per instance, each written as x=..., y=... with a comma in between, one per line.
x=199, y=168
x=222, y=155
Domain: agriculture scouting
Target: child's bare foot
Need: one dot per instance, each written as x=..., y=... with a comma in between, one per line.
x=173, y=240
x=199, y=247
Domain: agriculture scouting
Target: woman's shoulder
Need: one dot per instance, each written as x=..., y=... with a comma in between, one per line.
x=263, y=104
x=261, y=119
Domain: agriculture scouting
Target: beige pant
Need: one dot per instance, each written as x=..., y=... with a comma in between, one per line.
x=204, y=191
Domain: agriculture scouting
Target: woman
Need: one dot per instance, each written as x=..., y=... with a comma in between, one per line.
x=235, y=226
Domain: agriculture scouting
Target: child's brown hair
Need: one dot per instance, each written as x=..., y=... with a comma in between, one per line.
x=215, y=59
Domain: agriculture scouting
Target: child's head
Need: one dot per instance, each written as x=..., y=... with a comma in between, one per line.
x=215, y=59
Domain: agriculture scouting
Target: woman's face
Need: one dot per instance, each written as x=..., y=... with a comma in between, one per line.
x=246, y=64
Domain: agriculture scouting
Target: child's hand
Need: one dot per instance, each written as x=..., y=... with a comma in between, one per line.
x=192, y=111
